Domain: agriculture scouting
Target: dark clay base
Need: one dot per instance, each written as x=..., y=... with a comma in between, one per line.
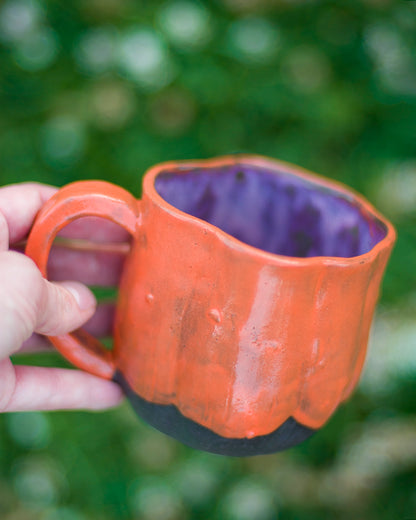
x=169, y=420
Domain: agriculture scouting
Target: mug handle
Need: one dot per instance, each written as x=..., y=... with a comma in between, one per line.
x=76, y=200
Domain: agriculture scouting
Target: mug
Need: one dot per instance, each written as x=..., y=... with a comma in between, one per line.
x=245, y=303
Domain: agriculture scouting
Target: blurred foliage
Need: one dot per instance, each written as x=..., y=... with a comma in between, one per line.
x=106, y=88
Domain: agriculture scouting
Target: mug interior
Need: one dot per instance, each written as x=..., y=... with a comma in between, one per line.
x=273, y=210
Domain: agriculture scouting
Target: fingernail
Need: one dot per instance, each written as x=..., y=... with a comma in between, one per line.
x=83, y=296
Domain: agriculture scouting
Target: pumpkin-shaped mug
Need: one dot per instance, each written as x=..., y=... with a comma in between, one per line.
x=245, y=302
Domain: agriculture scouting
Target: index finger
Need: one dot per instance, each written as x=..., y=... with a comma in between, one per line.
x=19, y=204
x=40, y=388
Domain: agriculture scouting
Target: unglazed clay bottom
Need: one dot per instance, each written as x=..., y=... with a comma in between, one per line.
x=169, y=420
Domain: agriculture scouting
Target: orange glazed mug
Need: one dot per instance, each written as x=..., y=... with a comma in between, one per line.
x=245, y=303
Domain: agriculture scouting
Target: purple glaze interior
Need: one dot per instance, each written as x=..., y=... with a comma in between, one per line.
x=274, y=211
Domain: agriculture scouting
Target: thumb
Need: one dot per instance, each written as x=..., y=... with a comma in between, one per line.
x=64, y=307
x=29, y=303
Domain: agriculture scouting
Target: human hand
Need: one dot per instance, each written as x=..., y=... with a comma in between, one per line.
x=30, y=304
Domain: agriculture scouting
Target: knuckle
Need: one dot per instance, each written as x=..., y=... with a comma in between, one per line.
x=21, y=286
x=7, y=384
x=58, y=311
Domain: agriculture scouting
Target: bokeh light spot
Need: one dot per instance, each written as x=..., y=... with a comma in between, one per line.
x=249, y=499
x=96, y=49
x=143, y=58
x=392, y=353
x=155, y=499
x=63, y=513
x=198, y=481
x=395, y=190
x=29, y=429
x=154, y=451
x=172, y=112
x=306, y=69
x=254, y=40
x=392, y=59
x=111, y=104
x=63, y=140
x=186, y=24
x=18, y=18
x=37, y=50
x=38, y=482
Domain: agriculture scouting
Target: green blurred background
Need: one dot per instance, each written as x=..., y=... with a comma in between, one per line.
x=106, y=88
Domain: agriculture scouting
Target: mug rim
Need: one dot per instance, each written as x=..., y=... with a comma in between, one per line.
x=272, y=165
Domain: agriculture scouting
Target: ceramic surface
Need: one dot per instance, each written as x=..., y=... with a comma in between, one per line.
x=245, y=303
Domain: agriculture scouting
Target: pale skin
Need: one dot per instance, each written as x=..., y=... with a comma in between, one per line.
x=31, y=307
